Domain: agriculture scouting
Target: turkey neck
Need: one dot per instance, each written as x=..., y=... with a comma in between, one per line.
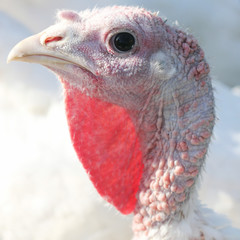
x=174, y=128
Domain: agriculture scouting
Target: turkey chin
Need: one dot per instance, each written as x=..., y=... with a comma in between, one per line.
x=73, y=76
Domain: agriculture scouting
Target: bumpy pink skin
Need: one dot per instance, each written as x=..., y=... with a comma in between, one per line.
x=173, y=113
x=176, y=148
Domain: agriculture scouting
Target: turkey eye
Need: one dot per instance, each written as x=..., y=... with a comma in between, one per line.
x=123, y=42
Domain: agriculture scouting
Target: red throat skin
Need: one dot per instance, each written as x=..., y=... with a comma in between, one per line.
x=106, y=143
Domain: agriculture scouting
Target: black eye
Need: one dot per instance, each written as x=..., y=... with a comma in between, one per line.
x=123, y=42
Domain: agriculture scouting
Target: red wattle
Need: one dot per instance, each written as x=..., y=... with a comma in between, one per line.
x=106, y=143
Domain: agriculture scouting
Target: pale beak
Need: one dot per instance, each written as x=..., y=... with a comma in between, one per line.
x=32, y=50
x=35, y=50
x=25, y=49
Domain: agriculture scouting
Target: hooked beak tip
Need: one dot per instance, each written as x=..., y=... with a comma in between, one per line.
x=12, y=56
x=24, y=48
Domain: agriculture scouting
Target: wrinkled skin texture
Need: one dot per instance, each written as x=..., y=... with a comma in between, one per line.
x=140, y=120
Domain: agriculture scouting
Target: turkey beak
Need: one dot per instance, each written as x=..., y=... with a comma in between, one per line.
x=34, y=50
x=37, y=49
x=31, y=50
x=26, y=49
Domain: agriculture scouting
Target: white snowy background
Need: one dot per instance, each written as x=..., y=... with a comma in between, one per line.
x=44, y=192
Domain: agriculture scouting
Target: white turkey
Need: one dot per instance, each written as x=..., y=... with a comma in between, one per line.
x=140, y=110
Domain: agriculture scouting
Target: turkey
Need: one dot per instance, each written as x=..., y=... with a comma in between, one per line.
x=140, y=110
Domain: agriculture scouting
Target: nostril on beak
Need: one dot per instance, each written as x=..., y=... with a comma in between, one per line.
x=52, y=39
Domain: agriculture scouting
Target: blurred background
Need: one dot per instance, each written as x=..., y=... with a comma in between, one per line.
x=44, y=192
